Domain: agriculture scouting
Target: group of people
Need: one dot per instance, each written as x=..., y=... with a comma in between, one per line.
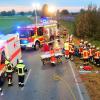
x=85, y=50
x=89, y=53
x=20, y=69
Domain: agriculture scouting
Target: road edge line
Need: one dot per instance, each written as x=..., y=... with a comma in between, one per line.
x=81, y=96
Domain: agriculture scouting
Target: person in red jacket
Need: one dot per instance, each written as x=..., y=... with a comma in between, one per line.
x=53, y=59
x=80, y=50
x=46, y=47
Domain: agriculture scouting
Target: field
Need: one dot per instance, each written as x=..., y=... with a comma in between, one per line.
x=9, y=24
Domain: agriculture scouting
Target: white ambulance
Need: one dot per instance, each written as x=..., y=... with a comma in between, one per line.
x=10, y=49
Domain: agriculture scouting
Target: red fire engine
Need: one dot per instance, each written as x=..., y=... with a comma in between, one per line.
x=33, y=36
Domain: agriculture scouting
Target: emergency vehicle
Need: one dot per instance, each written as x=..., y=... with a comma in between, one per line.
x=33, y=36
x=9, y=50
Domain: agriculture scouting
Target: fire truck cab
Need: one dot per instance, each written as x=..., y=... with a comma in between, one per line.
x=33, y=36
x=9, y=50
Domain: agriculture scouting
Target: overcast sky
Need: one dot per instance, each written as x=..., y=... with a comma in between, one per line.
x=25, y=5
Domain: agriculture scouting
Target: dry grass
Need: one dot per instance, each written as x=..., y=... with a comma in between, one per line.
x=91, y=81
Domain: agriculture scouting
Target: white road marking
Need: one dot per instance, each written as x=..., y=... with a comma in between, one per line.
x=26, y=79
x=81, y=96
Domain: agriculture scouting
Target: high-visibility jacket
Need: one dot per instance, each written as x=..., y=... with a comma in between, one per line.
x=90, y=52
x=97, y=55
x=52, y=52
x=66, y=46
x=7, y=62
x=20, y=69
x=85, y=54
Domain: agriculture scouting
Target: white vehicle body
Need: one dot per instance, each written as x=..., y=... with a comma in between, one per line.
x=9, y=48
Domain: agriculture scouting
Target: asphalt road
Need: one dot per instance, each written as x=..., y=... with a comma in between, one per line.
x=61, y=82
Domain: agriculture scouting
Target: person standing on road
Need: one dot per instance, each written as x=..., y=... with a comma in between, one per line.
x=85, y=56
x=9, y=72
x=20, y=68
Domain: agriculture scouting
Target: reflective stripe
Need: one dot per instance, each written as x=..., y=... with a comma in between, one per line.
x=20, y=68
x=9, y=71
x=85, y=54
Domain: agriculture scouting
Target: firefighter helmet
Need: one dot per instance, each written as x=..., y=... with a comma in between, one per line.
x=97, y=48
x=86, y=42
x=89, y=44
x=93, y=46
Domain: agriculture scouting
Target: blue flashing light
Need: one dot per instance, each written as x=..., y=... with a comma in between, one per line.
x=18, y=27
x=24, y=42
x=44, y=20
x=17, y=33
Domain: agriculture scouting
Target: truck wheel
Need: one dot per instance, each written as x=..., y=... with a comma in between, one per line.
x=37, y=45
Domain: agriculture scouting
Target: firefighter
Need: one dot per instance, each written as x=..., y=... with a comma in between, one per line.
x=66, y=49
x=53, y=59
x=71, y=51
x=97, y=57
x=20, y=68
x=9, y=72
x=85, y=56
x=80, y=50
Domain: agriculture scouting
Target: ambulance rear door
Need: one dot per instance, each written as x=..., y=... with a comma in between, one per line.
x=12, y=48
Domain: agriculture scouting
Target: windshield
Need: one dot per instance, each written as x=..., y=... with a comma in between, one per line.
x=24, y=33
